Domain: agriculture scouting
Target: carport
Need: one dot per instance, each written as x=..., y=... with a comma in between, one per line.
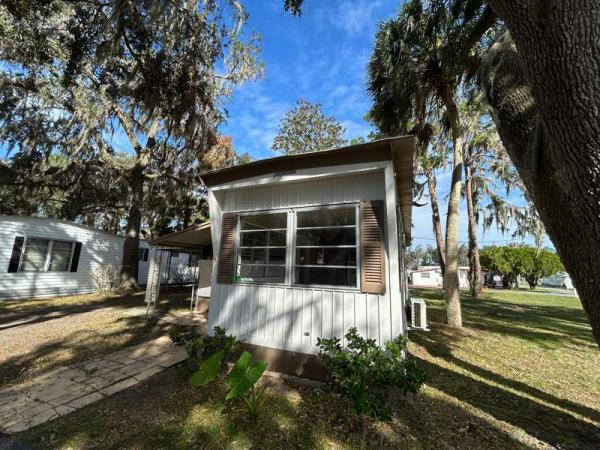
x=195, y=240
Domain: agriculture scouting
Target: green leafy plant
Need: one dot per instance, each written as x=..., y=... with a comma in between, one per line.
x=220, y=340
x=200, y=347
x=242, y=379
x=208, y=371
x=364, y=371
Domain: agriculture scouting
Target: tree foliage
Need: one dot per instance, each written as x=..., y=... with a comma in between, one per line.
x=306, y=129
x=521, y=261
x=79, y=78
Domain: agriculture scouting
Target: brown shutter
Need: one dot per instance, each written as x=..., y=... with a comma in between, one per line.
x=227, y=249
x=372, y=248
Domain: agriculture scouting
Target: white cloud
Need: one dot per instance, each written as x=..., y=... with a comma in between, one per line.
x=351, y=16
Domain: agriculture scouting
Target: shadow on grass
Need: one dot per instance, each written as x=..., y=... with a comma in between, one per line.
x=548, y=326
x=166, y=412
x=17, y=313
x=555, y=427
x=552, y=326
x=109, y=336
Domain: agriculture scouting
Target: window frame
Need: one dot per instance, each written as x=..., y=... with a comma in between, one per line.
x=291, y=247
x=356, y=245
x=48, y=255
x=239, y=248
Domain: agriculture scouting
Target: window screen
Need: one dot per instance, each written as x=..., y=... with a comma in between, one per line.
x=262, y=247
x=60, y=256
x=326, y=247
x=34, y=257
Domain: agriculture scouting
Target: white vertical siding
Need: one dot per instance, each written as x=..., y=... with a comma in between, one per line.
x=293, y=317
x=351, y=188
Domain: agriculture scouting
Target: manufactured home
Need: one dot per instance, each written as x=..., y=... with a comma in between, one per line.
x=431, y=276
x=42, y=257
x=310, y=245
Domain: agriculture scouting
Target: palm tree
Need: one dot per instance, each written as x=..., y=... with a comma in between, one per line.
x=409, y=76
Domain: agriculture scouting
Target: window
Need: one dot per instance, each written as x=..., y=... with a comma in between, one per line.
x=425, y=275
x=143, y=254
x=44, y=255
x=34, y=256
x=326, y=247
x=262, y=247
x=60, y=256
x=319, y=248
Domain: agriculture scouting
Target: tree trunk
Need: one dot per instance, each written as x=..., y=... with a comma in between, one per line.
x=474, y=262
x=129, y=269
x=545, y=101
x=451, y=284
x=436, y=219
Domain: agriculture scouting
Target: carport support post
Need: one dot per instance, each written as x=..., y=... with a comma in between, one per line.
x=153, y=283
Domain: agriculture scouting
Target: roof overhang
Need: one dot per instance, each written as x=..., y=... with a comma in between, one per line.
x=192, y=238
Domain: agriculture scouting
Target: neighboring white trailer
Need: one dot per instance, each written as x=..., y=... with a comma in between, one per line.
x=42, y=257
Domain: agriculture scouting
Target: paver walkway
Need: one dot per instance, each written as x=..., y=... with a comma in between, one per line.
x=68, y=388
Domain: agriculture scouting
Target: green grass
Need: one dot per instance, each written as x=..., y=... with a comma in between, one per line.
x=523, y=373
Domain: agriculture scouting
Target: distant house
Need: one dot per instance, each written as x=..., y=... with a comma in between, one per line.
x=42, y=257
x=560, y=279
x=431, y=276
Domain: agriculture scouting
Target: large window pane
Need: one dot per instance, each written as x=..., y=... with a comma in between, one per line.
x=263, y=221
x=60, y=256
x=34, y=258
x=327, y=217
x=253, y=255
x=262, y=238
x=262, y=252
x=259, y=256
x=326, y=256
x=326, y=236
x=326, y=276
x=263, y=274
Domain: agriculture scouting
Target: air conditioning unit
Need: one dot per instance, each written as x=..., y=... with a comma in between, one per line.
x=418, y=314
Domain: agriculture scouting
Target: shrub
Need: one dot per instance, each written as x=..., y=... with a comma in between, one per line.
x=364, y=372
x=219, y=341
x=106, y=278
x=200, y=347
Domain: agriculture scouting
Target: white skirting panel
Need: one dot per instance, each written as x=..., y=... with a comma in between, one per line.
x=292, y=318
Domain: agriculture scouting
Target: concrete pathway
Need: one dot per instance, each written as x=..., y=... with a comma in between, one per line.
x=68, y=388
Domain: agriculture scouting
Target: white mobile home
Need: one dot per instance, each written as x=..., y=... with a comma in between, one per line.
x=309, y=245
x=431, y=276
x=41, y=257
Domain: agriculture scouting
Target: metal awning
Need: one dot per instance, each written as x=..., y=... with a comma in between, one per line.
x=194, y=237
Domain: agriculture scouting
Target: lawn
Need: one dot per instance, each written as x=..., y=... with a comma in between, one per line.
x=524, y=373
x=39, y=335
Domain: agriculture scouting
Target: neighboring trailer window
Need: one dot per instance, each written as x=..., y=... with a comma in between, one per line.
x=326, y=248
x=60, y=256
x=45, y=255
x=34, y=256
x=262, y=247
x=143, y=254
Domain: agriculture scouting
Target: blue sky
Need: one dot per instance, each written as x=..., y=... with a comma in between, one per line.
x=320, y=57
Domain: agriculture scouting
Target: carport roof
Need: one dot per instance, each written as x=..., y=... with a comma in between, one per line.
x=194, y=237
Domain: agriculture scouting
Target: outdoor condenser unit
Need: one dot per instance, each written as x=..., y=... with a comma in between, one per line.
x=418, y=314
